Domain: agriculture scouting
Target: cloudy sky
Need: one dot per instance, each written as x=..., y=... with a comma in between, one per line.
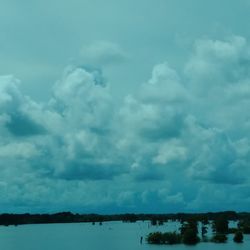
x=124, y=106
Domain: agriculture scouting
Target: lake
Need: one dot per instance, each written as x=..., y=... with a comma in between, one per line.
x=109, y=236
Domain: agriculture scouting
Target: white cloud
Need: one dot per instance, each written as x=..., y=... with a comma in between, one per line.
x=21, y=149
x=10, y=95
x=164, y=86
x=172, y=150
x=103, y=53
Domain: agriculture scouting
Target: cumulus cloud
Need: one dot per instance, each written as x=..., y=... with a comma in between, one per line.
x=103, y=53
x=172, y=150
x=183, y=135
x=15, y=107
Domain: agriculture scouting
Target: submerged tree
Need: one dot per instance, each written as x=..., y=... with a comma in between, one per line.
x=190, y=237
x=155, y=238
x=153, y=222
x=189, y=231
x=220, y=225
x=219, y=238
x=164, y=238
x=171, y=238
x=238, y=237
x=244, y=226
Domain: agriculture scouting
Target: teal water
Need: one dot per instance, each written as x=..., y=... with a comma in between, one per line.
x=109, y=236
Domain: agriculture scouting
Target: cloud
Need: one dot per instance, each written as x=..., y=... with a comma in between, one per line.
x=171, y=151
x=182, y=135
x=103, y=53
x=156, y=112
x=24, y=150
x=15, y=107
x=164, y=86
x=218, y=161
x=21, y=125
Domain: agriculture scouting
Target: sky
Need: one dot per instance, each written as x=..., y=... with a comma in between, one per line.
x=124, y=106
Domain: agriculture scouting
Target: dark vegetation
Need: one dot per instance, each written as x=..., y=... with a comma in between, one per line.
x=219, y=238
x=238, y=237
x=188, y=233
x=164, y=238
x=220, y=225
x=189, y=221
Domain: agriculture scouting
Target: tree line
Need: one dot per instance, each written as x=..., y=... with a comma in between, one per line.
x=69, y=217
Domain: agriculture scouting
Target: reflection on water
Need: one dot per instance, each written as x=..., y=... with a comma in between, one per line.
x=110, y=236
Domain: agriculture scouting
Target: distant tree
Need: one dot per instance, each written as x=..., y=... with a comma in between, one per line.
x=190, y=237
x=232, y=230
x=190, y=224
x=205, y=220
x=246, y=229
x=171, y=238
x=203, y=231
x=155, y=238
x=160, y=222
x=129, y=218
x=238, y=237
x=219, y=238
x=153, y=222
x=220, y=225
x=164, y=238
x=244, y=226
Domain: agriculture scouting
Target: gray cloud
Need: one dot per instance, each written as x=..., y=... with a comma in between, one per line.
x=16, y=108
x=22, y=125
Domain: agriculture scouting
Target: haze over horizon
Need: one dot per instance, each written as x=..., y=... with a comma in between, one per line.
x=124, y=106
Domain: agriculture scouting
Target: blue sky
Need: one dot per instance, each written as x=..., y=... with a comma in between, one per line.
x=124, y=106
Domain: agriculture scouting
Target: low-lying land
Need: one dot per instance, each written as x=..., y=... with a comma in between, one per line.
x=68, y=217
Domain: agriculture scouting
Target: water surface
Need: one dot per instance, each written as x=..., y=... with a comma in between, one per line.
x=109, y=236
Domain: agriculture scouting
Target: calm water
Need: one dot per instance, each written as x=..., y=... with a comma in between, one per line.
x=109, y=236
